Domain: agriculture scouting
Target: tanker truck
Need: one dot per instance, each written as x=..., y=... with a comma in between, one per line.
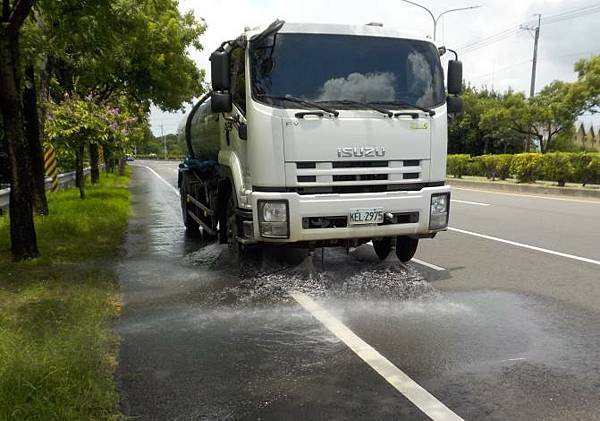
x=319, y=135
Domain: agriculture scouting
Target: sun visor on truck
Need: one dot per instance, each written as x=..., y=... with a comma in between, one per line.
x=270, y=30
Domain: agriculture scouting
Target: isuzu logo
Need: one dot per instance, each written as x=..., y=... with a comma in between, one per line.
x=364, y=152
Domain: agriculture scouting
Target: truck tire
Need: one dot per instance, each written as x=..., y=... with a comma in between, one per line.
x=191, y=225
x=235, y=248
x=406, y=247
x=382, y=247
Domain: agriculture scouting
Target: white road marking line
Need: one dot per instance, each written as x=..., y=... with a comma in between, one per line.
x=422, y=399
x=527, y=246
x=159, y=177
x=466, y=202
x=513, y=359
x=429, y=265
x=593, y=202
x=421, y=262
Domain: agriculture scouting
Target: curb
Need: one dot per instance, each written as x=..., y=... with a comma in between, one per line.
x=524, y=188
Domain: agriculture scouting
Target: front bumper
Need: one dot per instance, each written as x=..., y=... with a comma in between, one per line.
x=333, y=205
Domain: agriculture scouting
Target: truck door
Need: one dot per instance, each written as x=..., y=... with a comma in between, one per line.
x=235, y=133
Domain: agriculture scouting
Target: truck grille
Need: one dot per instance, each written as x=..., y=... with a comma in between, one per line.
x=374, y=174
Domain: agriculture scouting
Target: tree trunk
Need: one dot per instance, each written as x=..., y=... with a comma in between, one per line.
x=109, y=165
x=22, y=228
x=95, y=167
x=543, y=145
x=33, y=135
x=122, y=163
x=79, y=176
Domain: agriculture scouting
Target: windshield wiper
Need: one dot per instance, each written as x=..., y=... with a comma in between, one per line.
x=407, y=105
x=362, y=104
x=297, y=100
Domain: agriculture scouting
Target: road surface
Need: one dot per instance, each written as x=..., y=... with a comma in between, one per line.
x=497, y=319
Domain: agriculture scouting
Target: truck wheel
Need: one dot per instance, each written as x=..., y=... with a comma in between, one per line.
x=190, y=224
x=232, y=231
x=406, y=247
x=382, y=247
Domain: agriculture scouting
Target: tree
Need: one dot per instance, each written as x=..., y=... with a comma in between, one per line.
x=136, y=48
x=33, y=135
x=552, y=112
x=115, y=49
x=79, y=122
x=587, y=87
x=22, y=228
x=468, y=135
x=541, y=118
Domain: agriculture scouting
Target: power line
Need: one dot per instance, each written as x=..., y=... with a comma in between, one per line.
x=500, y=70
x=507, y=33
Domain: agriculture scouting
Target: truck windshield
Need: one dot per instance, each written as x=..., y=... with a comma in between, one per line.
x=346, y=68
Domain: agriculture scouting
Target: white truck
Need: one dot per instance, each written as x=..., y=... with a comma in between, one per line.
x=321, y=135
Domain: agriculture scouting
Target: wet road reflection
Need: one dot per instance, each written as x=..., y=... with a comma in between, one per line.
x=205, y=339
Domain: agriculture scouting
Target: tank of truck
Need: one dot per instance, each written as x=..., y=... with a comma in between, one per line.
x=199, y=132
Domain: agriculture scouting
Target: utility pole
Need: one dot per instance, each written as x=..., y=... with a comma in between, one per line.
x=536, y=37
x=162, y=133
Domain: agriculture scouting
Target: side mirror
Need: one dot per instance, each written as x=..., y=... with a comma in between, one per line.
x=454, y=77
x=220, y=102
x=455, y=105
x=219, y=70
x=243, y=131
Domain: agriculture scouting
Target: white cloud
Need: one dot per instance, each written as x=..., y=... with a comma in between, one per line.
x=359, y=87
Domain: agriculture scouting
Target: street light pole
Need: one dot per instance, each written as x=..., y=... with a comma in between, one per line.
x=435, y=19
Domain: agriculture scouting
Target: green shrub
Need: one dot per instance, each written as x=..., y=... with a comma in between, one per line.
x=592, y=170
x=526, y=167
x=458, y=165
x=495, y=166
x=562, y=167
x=503, y=166
x=557, y=166
x=475, y=167
x=580, y=161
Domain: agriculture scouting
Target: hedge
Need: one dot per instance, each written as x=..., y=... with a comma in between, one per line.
x=561, y=167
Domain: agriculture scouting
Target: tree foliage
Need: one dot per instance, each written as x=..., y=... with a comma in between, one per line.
x=510, y=122
x=98, y=65
x=136, y=48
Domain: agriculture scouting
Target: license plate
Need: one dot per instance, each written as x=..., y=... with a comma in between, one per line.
x=365, y=216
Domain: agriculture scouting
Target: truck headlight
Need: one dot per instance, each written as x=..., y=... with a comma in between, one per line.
x=439, y=211
x=273, y=218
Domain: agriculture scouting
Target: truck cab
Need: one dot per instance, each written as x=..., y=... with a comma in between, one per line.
x=321, y=135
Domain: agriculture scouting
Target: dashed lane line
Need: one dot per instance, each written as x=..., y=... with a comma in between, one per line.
x=535, y=196
x=526, y=246
x=410, y=389
x=467, y=202
x=429, y=265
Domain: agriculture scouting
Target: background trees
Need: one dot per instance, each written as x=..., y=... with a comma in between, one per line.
x=509, y=122
x=91, y=69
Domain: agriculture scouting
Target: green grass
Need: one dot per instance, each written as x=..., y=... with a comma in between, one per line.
x=57, y=347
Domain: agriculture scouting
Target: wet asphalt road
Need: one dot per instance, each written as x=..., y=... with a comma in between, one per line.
x=500, y=333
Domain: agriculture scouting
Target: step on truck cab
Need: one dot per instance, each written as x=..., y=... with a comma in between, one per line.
x=321, y=135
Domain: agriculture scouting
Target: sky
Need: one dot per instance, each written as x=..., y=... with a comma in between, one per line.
x=494, y=51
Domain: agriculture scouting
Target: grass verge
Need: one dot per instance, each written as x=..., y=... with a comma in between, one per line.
x=57, y=348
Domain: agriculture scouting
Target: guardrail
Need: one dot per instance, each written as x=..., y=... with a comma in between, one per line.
x=65, y=180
